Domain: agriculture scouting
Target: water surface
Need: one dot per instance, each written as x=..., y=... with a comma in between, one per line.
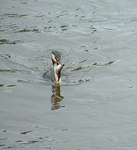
x=97, y=40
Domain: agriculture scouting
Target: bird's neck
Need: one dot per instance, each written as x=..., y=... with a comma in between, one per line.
x=56, y=73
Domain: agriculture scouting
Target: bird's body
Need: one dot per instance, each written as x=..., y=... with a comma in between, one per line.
x=54, y=70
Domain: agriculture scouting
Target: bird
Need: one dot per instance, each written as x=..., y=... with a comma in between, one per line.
x=57, y=67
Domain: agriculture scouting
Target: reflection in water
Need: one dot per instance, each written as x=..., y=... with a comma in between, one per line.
x=56, y=97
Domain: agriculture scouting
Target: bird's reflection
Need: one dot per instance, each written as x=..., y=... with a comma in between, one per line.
x=56, y=97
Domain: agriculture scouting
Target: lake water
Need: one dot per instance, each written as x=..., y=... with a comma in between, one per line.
x=97, y=40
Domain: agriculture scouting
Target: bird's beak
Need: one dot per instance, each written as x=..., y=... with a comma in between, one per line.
x=53, y=59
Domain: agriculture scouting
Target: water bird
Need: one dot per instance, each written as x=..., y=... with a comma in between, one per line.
x=57, y=67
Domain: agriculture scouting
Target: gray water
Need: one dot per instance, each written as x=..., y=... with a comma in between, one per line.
x=97, y=40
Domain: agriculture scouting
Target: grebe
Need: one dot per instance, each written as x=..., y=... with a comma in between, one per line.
x=57, y=67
